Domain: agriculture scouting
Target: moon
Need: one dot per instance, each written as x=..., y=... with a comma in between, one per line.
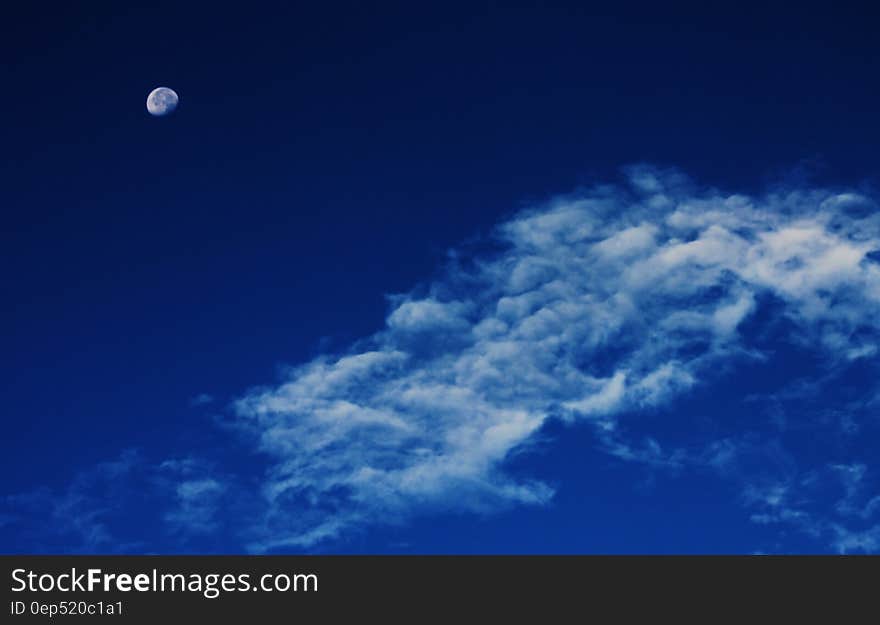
x=161, y=101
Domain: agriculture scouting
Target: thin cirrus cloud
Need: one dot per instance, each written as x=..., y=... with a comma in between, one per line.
x=591, y=309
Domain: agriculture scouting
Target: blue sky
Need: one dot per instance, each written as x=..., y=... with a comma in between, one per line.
x=458, y=279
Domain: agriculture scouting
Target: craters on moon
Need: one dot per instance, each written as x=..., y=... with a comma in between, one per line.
x=162, y=101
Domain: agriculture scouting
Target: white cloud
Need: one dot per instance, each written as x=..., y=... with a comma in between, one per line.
x=801, y=502
x=196, y=505
x=613, y=301
x=596, y=309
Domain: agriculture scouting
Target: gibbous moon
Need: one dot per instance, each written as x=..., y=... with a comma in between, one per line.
x=161, y=101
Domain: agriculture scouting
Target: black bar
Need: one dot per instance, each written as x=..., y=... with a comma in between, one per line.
x=544, y=589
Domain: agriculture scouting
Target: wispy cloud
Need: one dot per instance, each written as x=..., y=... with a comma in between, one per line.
x=197, y=495
x=103, y=507
x=615, y=301
x=81, y=514
x=829, y=503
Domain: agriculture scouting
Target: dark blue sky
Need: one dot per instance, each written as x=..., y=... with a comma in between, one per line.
x=325, y=156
